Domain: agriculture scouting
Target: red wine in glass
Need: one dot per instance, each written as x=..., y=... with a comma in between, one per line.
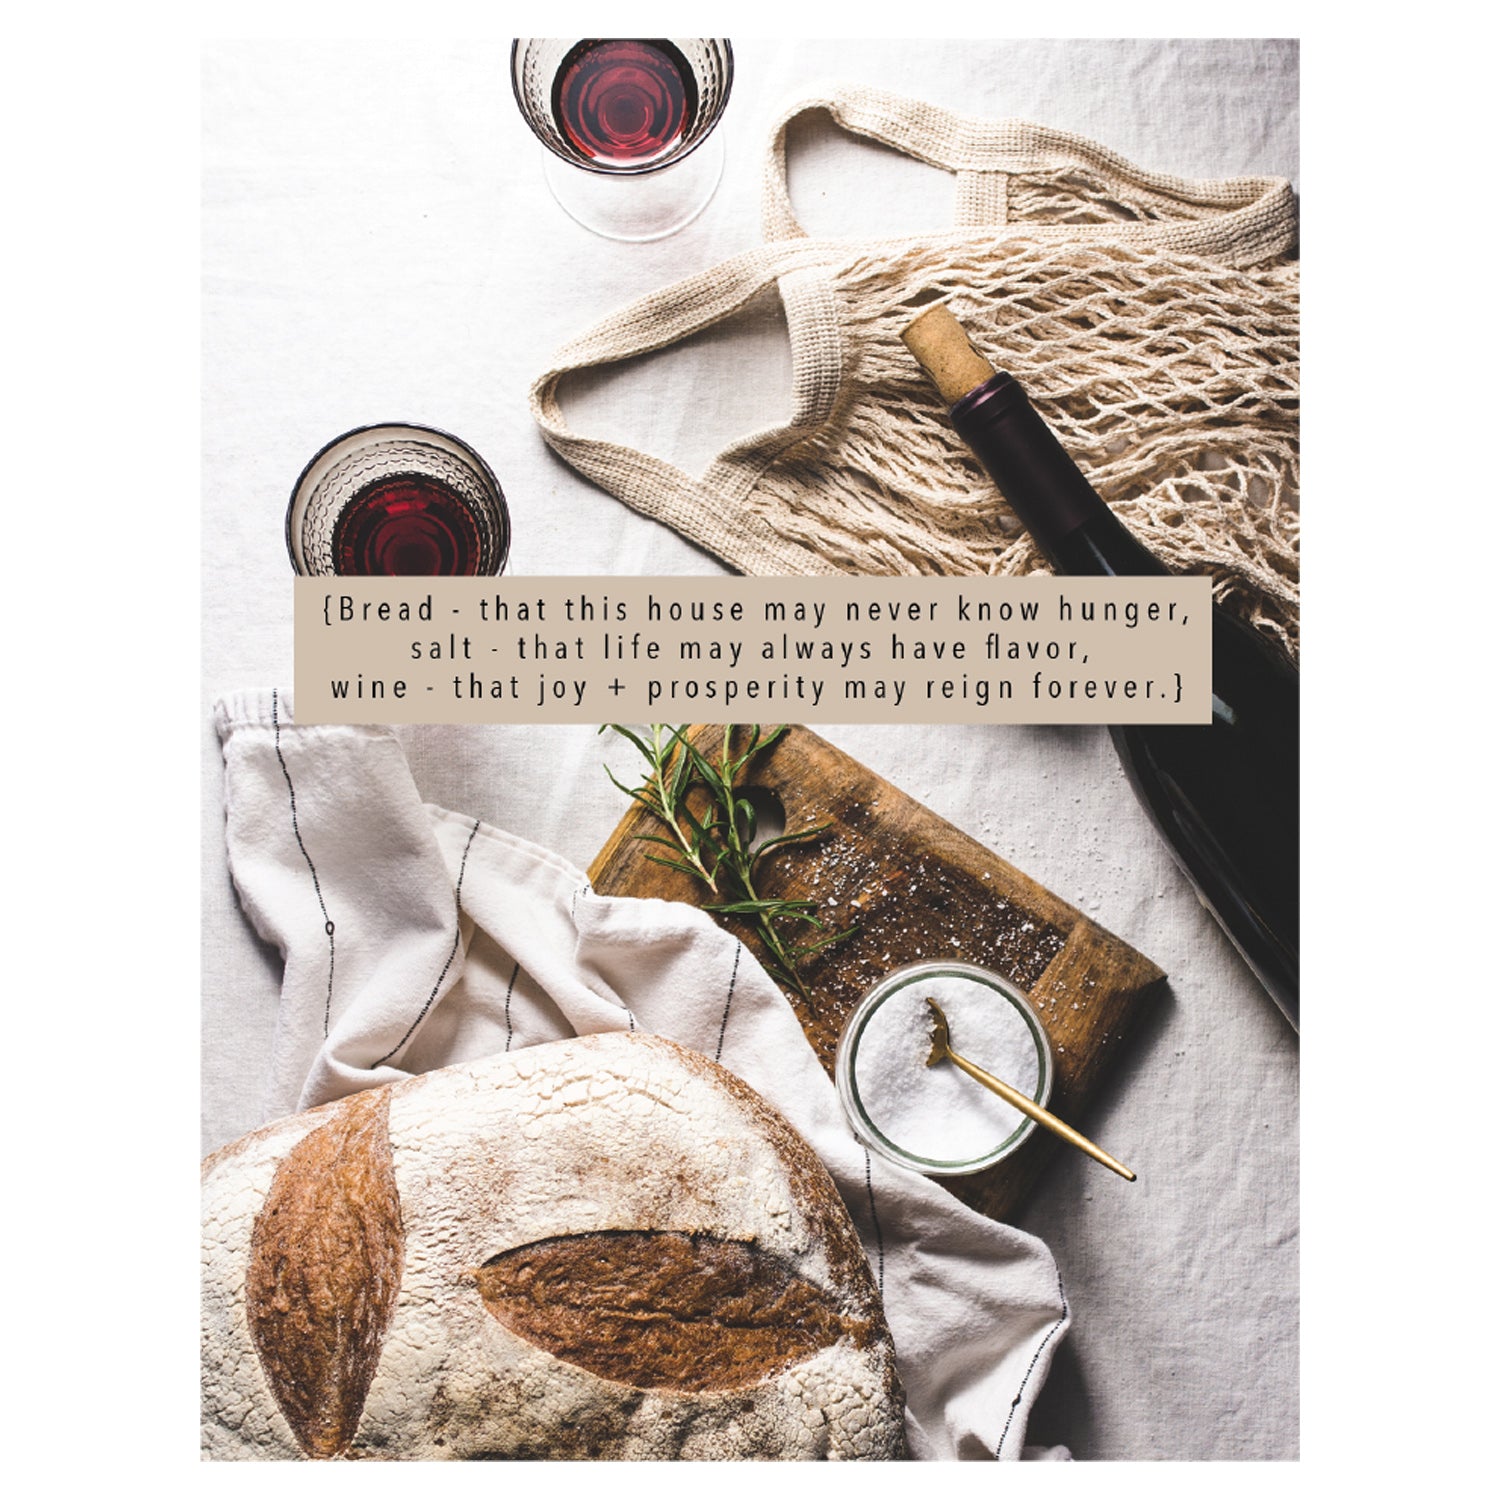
x=624, y=103
x=397, y=500
x=623, y=121
x=406, y=525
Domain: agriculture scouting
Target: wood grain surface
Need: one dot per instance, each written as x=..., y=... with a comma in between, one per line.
x=916, y=889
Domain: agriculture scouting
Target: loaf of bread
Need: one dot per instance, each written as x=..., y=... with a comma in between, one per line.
x=601, y=1248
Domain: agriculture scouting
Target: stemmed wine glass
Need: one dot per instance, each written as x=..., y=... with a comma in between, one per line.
x=627, y=126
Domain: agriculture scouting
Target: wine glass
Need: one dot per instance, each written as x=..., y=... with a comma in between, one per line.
x=627, y=126
x=397, y=500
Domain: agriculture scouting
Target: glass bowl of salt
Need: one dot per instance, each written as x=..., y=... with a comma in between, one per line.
x=936, y=1120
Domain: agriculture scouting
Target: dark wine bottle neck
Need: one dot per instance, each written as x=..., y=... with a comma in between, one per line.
x=1074, y=528
x=1100, y=545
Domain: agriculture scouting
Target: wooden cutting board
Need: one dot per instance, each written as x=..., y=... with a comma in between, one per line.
x=916, y=889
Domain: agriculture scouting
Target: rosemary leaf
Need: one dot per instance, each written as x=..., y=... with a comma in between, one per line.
x=717, y=844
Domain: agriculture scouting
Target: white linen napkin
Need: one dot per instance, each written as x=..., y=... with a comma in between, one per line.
x=415, y=937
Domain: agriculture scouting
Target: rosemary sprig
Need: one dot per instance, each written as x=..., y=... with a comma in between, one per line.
x=717, y=845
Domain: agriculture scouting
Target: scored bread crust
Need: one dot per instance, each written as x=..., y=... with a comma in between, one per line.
x=608, y=1247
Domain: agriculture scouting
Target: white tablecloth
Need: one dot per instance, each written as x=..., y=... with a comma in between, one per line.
x=379, y=245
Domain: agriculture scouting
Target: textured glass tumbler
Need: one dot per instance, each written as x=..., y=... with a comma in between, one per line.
x=627, y=126
x=397, y=501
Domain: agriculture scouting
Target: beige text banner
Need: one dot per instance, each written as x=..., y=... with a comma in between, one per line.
x=845, y=650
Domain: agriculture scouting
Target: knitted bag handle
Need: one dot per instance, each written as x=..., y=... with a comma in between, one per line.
x=1009, y=171
x=710, y=510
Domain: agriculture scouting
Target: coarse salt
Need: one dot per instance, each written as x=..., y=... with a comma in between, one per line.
x=939, y=1114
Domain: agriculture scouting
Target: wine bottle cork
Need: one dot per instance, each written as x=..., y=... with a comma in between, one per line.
x=942, y=348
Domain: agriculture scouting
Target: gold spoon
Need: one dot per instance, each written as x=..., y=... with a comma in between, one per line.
x=943, y=1048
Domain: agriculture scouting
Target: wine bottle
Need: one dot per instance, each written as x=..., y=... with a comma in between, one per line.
x=1224, y=795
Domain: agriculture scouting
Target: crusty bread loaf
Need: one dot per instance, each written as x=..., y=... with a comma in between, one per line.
x=601, y=1248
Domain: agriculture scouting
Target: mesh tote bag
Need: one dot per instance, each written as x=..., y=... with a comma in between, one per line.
x=1152, y=319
